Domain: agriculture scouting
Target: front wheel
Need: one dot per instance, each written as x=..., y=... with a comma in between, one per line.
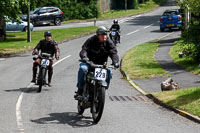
x=80, y=108
x=42, y=74
x=98, y=104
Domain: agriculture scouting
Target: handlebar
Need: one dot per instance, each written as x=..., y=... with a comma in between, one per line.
x=97, y=65
x=44, y=55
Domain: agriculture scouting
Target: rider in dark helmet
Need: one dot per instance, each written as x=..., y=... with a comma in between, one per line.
x=117, y=27
x=47, y=45
x=96, y=49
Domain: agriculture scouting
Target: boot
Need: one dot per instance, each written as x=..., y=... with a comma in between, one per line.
x=50, y=73
x=34, y=75
x=78, y=93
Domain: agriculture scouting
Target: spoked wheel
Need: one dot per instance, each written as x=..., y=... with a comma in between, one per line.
x=98, y=104
x=41, y=79
x=80, y=108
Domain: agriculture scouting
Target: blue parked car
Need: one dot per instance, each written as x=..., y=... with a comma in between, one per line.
x=170, y=19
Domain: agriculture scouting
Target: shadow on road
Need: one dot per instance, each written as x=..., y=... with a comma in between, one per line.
x=27, y=90
x=71, y=118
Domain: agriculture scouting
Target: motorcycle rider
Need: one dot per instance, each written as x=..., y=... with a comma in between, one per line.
x=96, y=49
x=47, y=45
x=117, y=27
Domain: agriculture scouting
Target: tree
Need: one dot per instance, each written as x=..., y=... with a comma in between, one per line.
x=191, y=34
x=9, y=8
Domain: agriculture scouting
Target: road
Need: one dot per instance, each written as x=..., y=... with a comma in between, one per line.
x=54, y=109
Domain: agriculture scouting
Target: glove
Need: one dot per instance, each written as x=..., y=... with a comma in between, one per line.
x=116, y=65
x=35, y=52
x=57, y=57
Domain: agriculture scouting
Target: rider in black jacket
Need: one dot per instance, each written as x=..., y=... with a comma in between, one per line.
x=117, y=27
x=47, y=45
x=97, y=49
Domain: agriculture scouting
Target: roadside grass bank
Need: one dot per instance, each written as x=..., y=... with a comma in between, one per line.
x=142, y=8
x=186, y=62
x=139, y=62
x=184, y=99
x=17, y=41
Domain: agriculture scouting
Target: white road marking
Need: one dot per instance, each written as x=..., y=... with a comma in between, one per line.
x=166, y=35
x=61, y=60
x=133, y=32
x=1, y=59
x=19, y=102
x=127, y=19
x=148, y=26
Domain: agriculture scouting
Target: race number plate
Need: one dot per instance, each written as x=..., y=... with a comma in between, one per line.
x=100, y=74
x=113, y=33
x=45, y=62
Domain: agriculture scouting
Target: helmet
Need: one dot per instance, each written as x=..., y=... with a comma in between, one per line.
x=102, y=30
x=115, y=21
x=47, y=33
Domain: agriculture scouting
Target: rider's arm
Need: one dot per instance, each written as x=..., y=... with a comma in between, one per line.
x=37, y=48
x=83, y=52
x=57, y=52
x=113, y=52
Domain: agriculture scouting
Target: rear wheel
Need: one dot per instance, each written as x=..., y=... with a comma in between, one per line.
x=57, y=21
x=98, y=104
x=162, y=29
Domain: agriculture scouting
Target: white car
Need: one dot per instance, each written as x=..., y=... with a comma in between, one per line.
x=17, y=26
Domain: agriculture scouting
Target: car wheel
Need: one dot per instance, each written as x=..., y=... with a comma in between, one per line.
x=33, y=22
x=162, y=29
x=57, y=21
x=25, y=29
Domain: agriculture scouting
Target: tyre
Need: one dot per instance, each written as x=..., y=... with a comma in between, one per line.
x=25, y=29
x=57, y=21
x=98, y=104
x=34, y=22
x=80, y=108
x=42, y=74
x=162, y=29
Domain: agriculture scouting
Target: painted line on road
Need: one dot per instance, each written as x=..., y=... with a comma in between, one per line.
x=133, y=32
x=2, y=59
x=165, y=35
x=61, y=60
x=20, y=98
x=148, y=26
x=127, y=19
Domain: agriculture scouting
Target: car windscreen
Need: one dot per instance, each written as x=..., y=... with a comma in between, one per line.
x=35, y=11
x=170, y=13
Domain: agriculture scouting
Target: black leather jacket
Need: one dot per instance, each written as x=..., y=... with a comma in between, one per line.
x=50, y=47
x=98, y=52
x=115, y=26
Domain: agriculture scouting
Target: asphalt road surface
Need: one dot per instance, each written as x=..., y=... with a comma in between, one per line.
x=54, y=110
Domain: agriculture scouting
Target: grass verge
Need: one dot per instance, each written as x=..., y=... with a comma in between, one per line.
x=17, y=42
x=139, y=62
x=186, y=62
x=145, y=7
x=184, y=99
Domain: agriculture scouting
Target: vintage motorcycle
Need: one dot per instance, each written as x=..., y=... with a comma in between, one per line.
x=43, y=67
x=113, y=36
x=93, y=95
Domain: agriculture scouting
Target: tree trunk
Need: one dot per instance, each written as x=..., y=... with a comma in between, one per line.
x=2, y=29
